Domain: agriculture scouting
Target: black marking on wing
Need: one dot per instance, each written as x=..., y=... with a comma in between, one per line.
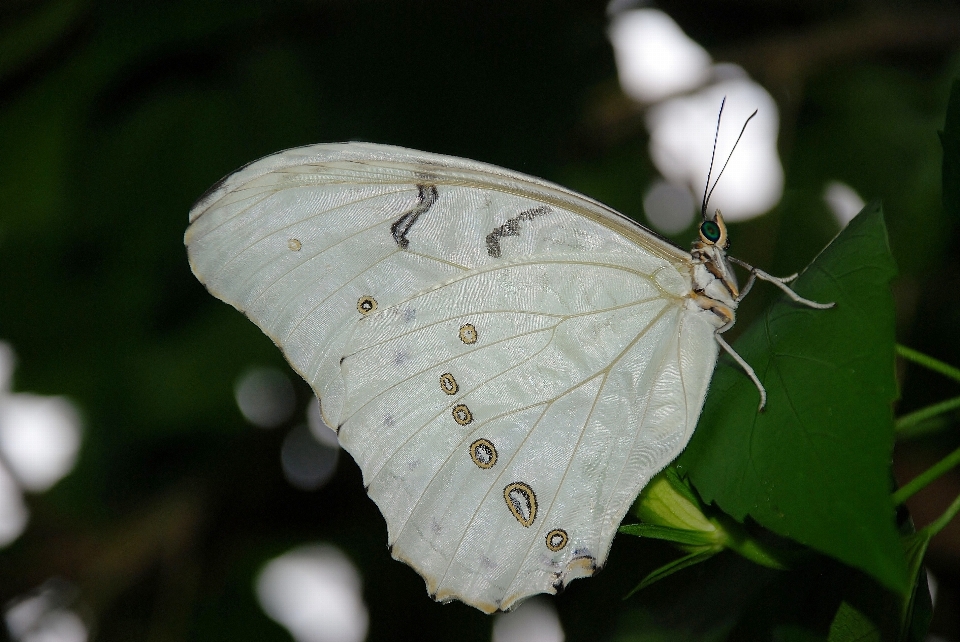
x=210, y=190
x=511, y=228
x=558, y=583
x=401, y=227
x=220, y=183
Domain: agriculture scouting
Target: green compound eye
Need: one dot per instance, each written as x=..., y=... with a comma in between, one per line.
x=710, y=231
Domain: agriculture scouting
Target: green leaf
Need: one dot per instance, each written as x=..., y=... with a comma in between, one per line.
x=918, y=608
x=867, y=612
x=668, y=501
x=675, y=535
x=950, y=139
x=850, y=625
x=670, y=568
x=814, y=466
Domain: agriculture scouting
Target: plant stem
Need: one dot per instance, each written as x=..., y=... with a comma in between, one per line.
x=928, y=362
x=923, y=414
x=922, y=429
x=926, y=477
x=936, y=526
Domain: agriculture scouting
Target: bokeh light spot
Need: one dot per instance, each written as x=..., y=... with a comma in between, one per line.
x=314, y=591
x=843, y=201
x=533, y=621
x=43, y=616
x=655, y=58
x=265, y=396
x=307, y=463
x=669, y=208
x=681, y=141
x=39, y=438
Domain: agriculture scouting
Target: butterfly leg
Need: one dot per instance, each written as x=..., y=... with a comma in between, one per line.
x=746, y=288
x=753, y=279
x=726, y=313
x=780, y=282
x=746, y=368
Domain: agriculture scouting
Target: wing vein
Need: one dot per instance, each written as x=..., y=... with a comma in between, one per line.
x=573, y=455
x=498, y=480
x=312, y=257
x=646, y=409
x=333, y=292
x=479, y=423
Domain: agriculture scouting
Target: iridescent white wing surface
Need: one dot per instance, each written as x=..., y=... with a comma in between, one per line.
x=508, y=362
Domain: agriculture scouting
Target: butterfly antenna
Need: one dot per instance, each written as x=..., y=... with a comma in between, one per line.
x=706, y=197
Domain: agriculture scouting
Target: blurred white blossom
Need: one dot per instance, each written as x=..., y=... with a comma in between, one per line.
x=655, y=58
x=39, y=444
x=681, y=140
x=39, y=438
x=843, y=201
x=315, y=592
x=661, y=67
x=44, y=616
x=669, y=208
x=533, y=621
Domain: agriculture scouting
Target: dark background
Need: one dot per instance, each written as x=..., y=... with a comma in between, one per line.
x=115, y=116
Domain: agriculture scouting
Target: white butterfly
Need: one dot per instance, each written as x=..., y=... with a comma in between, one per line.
x=509, y=362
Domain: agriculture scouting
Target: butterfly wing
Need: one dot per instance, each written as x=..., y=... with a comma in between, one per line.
x=508, y=362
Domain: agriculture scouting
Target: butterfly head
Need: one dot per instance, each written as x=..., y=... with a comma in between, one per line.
x=714, y=232
x=710, y=252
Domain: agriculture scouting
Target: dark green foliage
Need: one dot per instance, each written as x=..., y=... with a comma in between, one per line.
x=814, y=465
x=950, y=139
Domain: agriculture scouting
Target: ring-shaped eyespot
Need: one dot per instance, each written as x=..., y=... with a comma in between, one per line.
x=522, y=502
x=483, y=453
x=449, y=384
x=468, y=333
x=366, y=305
x=710, y=232
x=557, y=539
x=462, y=415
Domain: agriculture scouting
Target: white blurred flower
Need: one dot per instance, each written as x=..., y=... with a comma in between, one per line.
x=39, y=443
x=660, y=66
x=681, y=141
x=315, y=592
x=43, y=616
x=669, y=208
x=655, y=58
x=307, y=462
x=39, y=438
x=843, y=201
x=533, y=621
x=265, y=396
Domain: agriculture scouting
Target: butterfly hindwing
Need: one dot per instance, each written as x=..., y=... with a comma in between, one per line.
x=557, y=399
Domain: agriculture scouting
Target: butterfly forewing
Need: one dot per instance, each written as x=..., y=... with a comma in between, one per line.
x=508, y=362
